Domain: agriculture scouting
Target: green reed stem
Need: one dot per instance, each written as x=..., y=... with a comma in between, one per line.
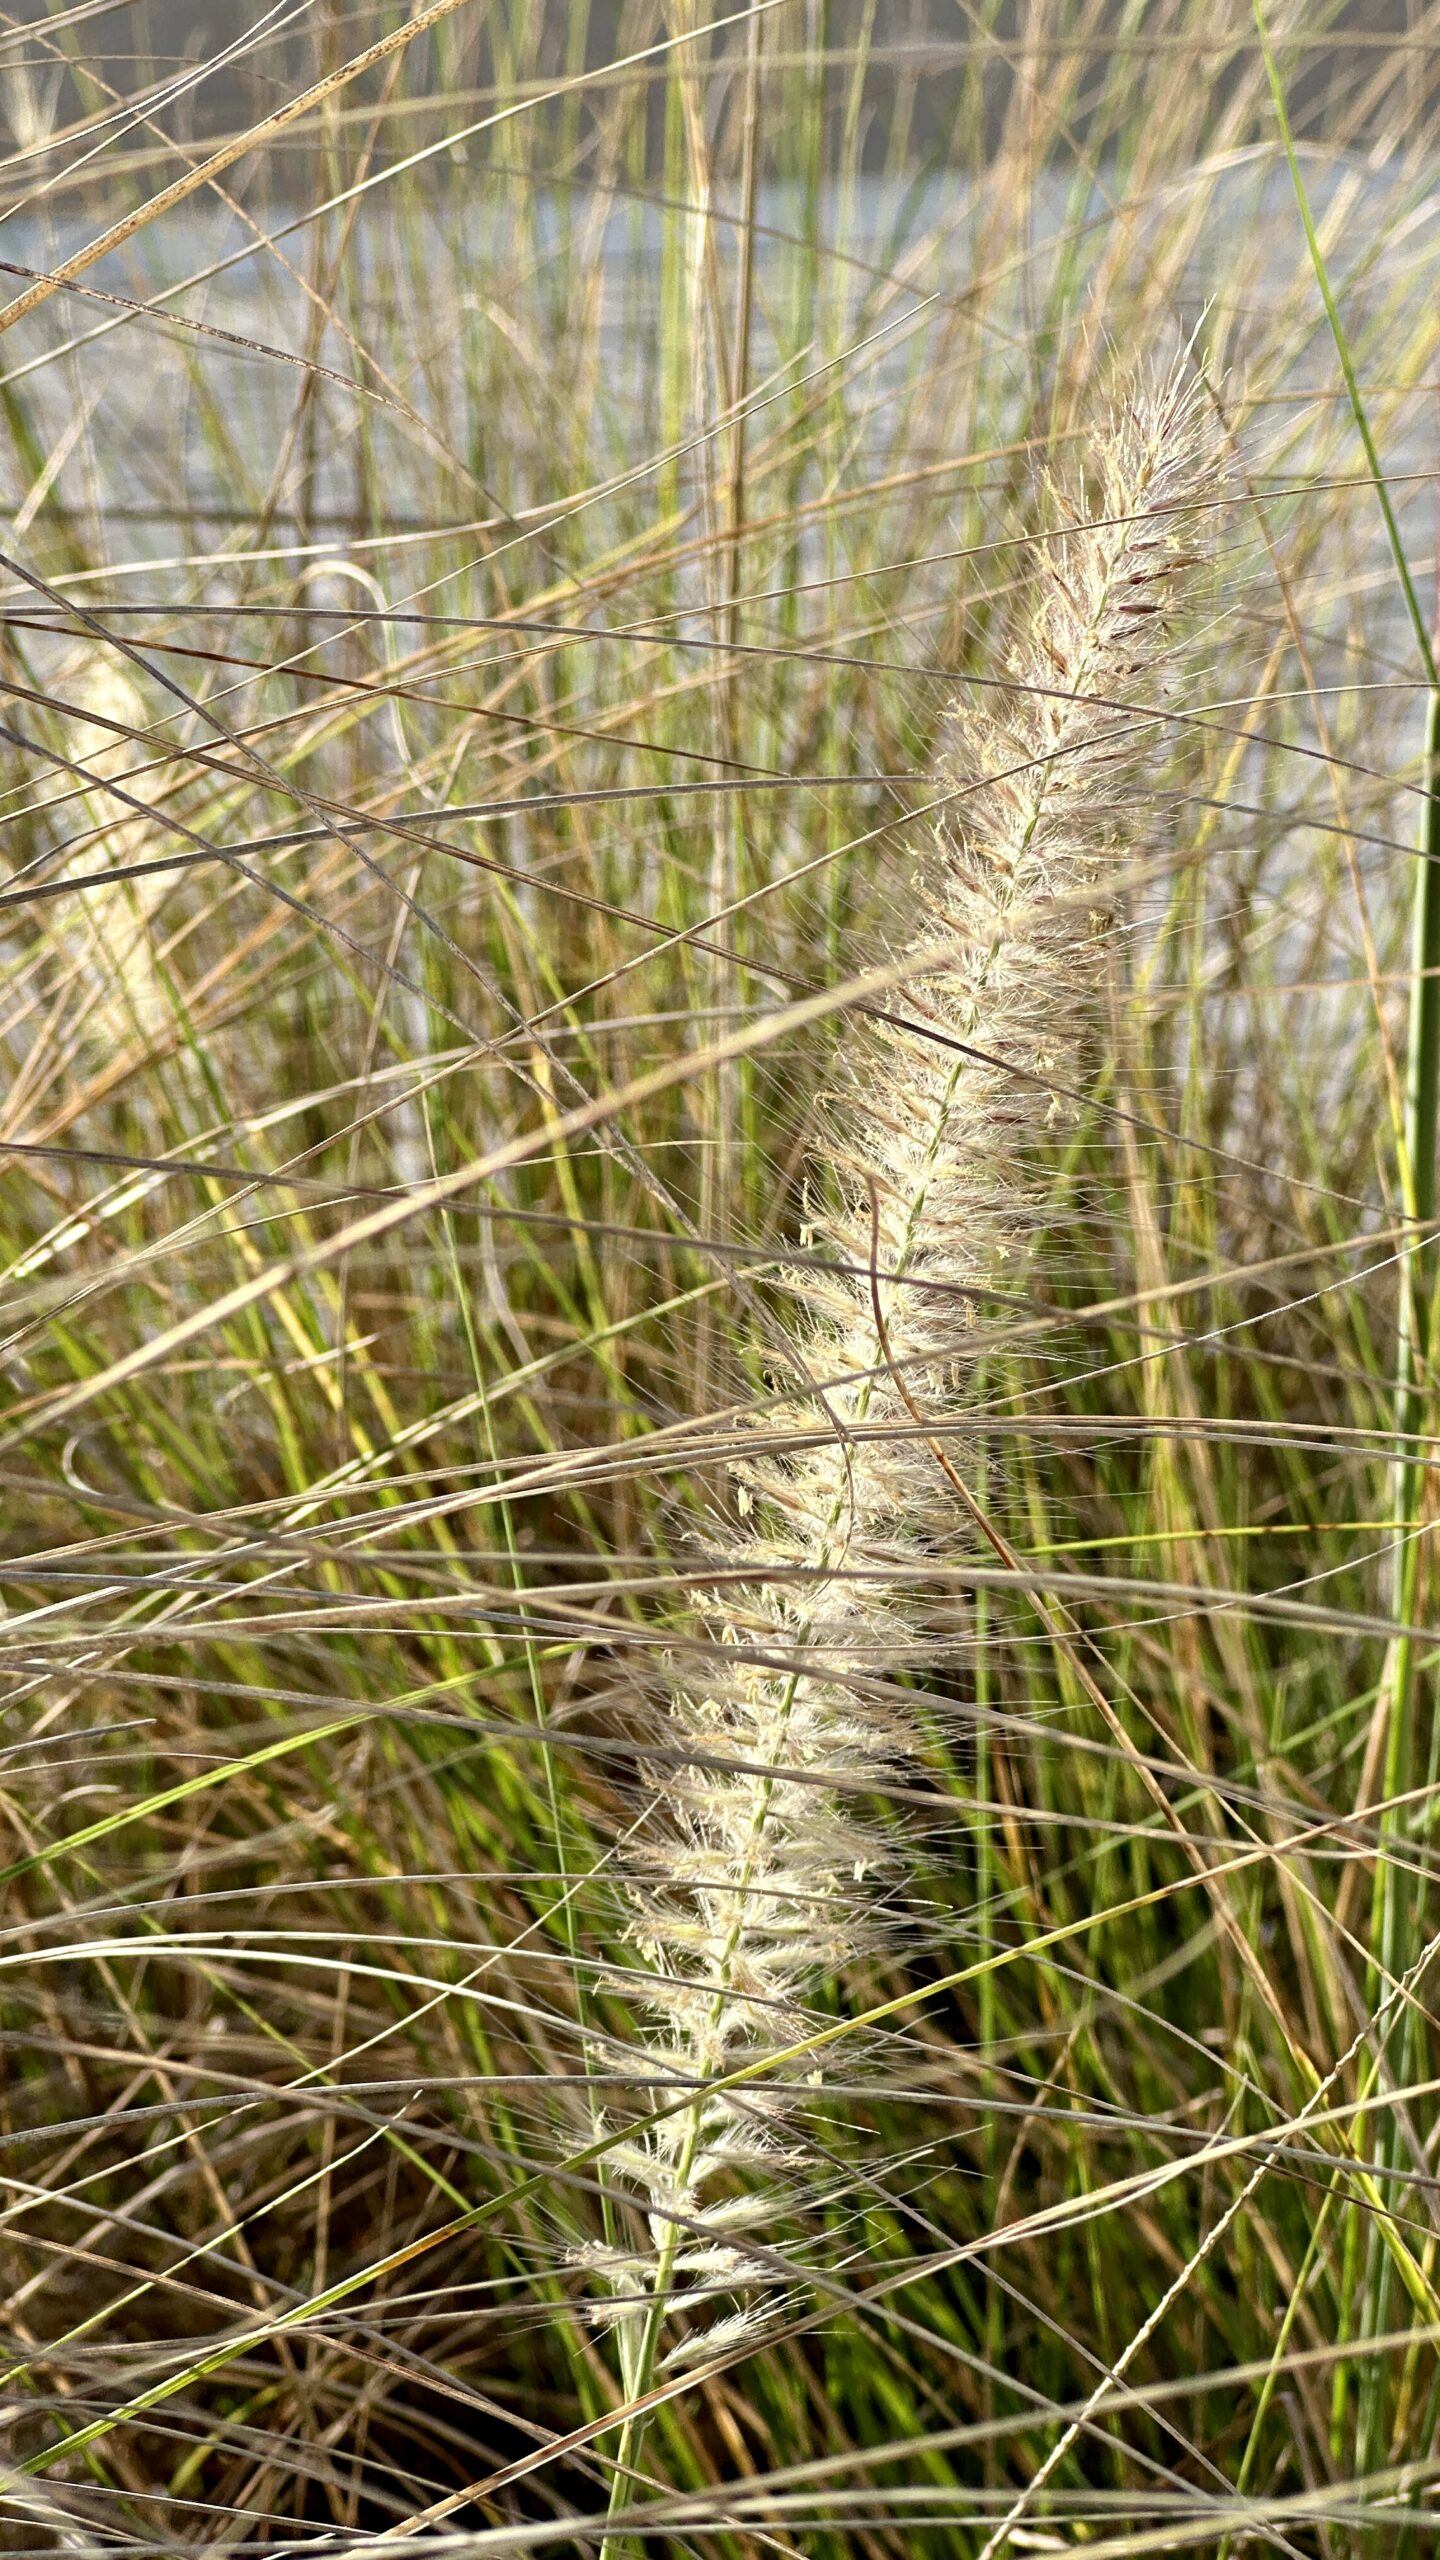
x=1394, y=1919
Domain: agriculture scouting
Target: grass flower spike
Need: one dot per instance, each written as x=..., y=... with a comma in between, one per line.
x=937, y=1177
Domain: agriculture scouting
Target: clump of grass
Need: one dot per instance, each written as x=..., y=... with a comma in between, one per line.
x=481, y=608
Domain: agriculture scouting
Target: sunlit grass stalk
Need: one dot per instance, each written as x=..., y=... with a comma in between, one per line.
x=937, y=1180
x=1422, y=1125
x=1398, y=1919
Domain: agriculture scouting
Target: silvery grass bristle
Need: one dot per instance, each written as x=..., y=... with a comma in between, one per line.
x=749, y=1898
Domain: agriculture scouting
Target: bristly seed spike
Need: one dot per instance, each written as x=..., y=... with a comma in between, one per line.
x=936, y=1177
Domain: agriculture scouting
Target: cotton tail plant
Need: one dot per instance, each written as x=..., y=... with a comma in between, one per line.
x=747, y=1904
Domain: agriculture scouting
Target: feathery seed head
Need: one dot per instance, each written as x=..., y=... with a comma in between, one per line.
x=745, y=1897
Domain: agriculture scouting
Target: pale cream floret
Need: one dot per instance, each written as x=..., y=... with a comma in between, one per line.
x=109, y=932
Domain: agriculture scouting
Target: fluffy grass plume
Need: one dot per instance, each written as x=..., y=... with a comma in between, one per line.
x=761, y=1872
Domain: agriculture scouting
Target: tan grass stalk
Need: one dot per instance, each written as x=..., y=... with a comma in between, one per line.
x=757, y=1886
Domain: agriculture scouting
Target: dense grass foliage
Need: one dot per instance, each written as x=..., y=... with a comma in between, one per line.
x=497, y=569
